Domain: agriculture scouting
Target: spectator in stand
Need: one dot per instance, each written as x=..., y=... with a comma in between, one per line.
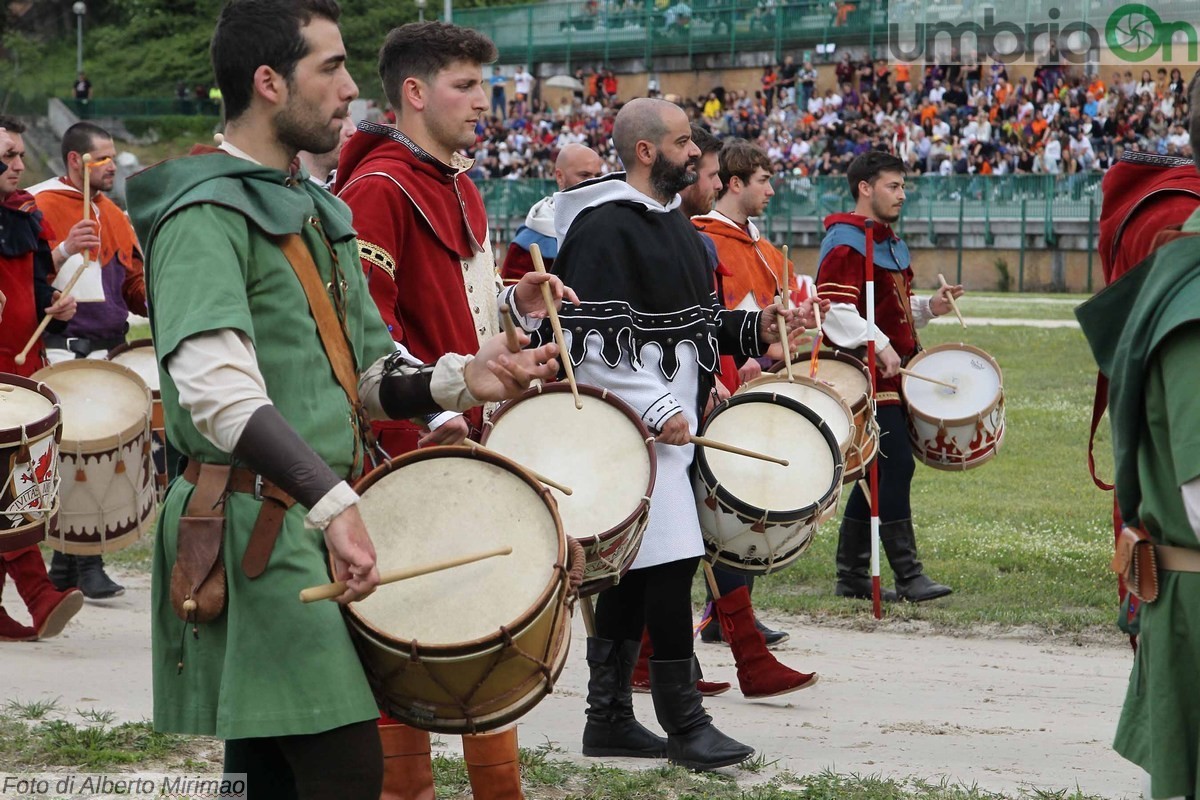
x=788, y=72
x=806, y=80
x=522, y=84
x=83, y=93
x=499, y=101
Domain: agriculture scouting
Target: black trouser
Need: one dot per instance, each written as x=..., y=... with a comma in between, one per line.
x=342, y=764
x=657, y=598
x=896, y=468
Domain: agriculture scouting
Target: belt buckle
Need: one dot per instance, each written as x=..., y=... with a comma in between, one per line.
x=258, y=484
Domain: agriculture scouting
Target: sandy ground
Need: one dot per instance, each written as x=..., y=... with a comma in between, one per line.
x=999, y=712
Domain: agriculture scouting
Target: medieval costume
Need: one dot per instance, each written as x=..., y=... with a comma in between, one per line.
x=841, y=278
x=538, y=229
x=650, y=330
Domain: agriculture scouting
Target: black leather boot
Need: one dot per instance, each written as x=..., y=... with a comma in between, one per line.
x=64, y=573
x=692, y=740
x=94, y=581
x=612, y=729
x=854, y=562
x=912, y=584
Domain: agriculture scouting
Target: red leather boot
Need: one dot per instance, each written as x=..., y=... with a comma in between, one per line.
x=641, y=673
x=760, y=674
x=51, y=609
x=10, y=629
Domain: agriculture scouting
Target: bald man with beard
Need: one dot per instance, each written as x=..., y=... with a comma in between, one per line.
x=575, y=164
x=639, y=269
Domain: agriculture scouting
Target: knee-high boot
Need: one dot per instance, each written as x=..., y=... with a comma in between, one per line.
x=407, y=769
x=51, y=609
x=611, y=728
x=760, y=674
x=900, y=541
x=692, y=740
x=494, y=765
x=10, y=629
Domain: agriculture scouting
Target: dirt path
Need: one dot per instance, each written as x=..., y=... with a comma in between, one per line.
x=997, y=712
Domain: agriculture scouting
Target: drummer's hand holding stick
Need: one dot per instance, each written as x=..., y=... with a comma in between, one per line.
x=497, y=373
x=677, y=432
x=889, y=362
x=942, y=302
x=353, y=555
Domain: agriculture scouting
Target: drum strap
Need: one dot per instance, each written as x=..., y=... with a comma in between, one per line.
x=332, y=331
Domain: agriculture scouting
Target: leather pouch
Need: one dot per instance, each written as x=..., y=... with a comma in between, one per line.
x=1136, y=561
x=198, y=577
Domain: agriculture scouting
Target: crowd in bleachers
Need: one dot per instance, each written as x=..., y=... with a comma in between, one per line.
x=949, y=119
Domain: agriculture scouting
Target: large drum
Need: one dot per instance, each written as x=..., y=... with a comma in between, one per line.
x=849, y=377
x=756, y=516
x=30, y=427
x=140, y=357
x=104, y=460
x=475, y=647
x=820, y=397
x=955, y=429
x=602, y=452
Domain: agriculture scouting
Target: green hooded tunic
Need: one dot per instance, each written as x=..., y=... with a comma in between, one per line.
x=268, y=666
x=1145, y=333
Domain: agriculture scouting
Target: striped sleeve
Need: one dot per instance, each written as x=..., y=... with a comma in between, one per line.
x=840, y=277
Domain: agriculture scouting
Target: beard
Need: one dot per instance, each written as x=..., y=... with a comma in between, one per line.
x=668, y=178
x=299, y=127
x=888, y=213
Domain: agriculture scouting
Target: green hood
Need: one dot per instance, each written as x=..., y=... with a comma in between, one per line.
x=276, y=202
x=1124, y=324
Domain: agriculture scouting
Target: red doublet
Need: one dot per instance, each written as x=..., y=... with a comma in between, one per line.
x=420, y=224
x=20, y=318
x=841, y=278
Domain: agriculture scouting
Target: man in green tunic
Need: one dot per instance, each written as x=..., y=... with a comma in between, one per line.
x=1144, y=330
x=249, y=396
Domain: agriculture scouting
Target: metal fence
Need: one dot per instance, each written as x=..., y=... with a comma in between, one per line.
x=606, y=29
x=1031, y=208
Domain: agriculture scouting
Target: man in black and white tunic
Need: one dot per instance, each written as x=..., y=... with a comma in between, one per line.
x=651, y=330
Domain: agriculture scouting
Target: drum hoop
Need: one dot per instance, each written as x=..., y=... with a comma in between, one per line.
x=804, y=380
x=616, y=402
x=113, y=441
x=40, y=427
x=735, y=503
x=527, y=617
x=996, y=401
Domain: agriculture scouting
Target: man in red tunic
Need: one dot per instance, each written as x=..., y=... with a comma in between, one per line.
x=25, y=294
x=877, y=184
x=423, y=240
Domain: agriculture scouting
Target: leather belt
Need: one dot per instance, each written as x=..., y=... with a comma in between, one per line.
x=81, y=345
x=275, y=505
x=1178, y=559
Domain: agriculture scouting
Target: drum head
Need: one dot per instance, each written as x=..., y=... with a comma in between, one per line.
x=452, y=505
x=101, y=401
x=22, y=407
x=598, y=451
x=973, y=372
x=777, y=428
x=820, y=398
x=139, y=356
x=847, y=377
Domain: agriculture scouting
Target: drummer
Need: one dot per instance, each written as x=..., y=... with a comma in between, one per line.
x=98, y=326
x=877, y=185
x=640, y=269
x=25, y=294
x=247, y=380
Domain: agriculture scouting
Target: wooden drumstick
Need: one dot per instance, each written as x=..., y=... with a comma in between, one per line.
x=219, y=139
x=921, y=377
x=713, y=444
x=37, y=334
x=510, y=332
x=329, y=591
x=784, y=340
x=537, y=475
x=787, y=282
x=950, y=297
x=535, y=253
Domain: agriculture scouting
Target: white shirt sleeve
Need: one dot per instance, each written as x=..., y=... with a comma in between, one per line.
x=219, y=384
x=846, y=328
x=921, y=311
x=1191, y=502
